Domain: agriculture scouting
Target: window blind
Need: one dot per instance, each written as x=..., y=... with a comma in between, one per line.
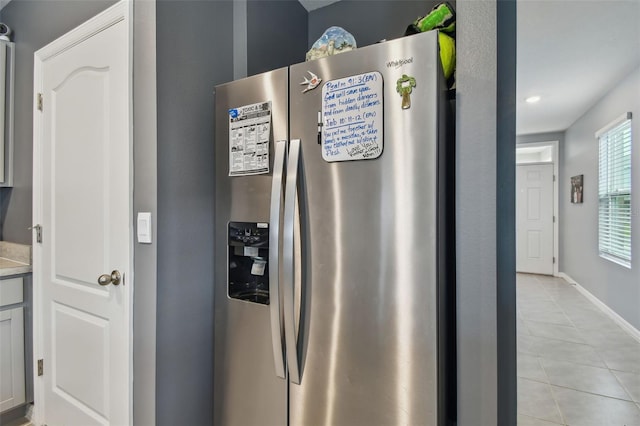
x=614, y=191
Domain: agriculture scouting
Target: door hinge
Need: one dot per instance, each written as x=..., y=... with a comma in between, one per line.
x=554, y=178
x=554, y=219
x=39, y=102
x=40, y=367
x=38, y=229
x=554, y=259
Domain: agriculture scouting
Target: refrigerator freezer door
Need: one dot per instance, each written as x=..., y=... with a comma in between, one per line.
x=247, y=388
x=369, y=325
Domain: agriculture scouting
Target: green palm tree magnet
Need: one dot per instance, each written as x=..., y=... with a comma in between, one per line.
x=404, y=86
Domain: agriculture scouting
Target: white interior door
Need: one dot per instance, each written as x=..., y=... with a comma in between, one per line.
x=83, y=143
x=534, y=218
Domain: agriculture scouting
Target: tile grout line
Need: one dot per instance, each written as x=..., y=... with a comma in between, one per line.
x=622, y=384
x=591, y=393
x=553, y=395
x=542, y=420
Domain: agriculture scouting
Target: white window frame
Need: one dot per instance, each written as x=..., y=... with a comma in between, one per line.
x=611, y=171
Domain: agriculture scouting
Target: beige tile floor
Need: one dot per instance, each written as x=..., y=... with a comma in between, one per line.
x=576, y=366
x=19, y=422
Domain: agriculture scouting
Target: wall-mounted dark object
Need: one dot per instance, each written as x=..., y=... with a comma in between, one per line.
x=576, y=189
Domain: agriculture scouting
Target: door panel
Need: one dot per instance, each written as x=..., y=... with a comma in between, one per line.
x=533, y=200
x=83, y=98
x=89, y=339
x=86, y=219
x=533, y=244
x=534, y=206
x=369, y=319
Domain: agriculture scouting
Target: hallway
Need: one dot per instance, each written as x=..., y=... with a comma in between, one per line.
x=576, y=366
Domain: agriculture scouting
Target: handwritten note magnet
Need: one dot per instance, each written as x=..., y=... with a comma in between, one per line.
x=311, y=83
x=404, y=86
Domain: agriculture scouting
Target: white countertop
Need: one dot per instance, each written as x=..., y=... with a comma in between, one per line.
x=15, y=259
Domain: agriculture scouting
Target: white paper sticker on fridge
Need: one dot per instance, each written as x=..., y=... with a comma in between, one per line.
x=249, y=135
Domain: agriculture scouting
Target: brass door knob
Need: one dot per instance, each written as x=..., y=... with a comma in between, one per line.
x=113, y=278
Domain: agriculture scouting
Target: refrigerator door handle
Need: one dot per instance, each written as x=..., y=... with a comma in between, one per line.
x=288, y=261
x=274, y=256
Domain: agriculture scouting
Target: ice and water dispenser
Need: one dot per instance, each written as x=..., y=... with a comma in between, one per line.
x=248, y=262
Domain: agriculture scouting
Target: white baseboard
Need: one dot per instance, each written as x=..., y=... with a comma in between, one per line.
x=624, y=324
x=567, y=278
x=29, y=414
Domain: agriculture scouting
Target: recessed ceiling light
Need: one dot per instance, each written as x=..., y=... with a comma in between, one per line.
x=532, y=99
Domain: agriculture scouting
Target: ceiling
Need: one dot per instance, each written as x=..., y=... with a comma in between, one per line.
x=315, y=4
x=570, y=53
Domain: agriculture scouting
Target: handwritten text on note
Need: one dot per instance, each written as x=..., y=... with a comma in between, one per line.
x=352, y=109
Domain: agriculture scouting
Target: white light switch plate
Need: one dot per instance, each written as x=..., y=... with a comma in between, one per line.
x=144, y=227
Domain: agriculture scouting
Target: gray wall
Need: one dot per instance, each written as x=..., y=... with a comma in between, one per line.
x=476, y=213
x=276, y=34
x=485, y=240
x=35, y=23
x=617, y=286
x=368, y=20
x=195, y=52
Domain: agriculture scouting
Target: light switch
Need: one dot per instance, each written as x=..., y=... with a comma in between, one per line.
x=144, y=227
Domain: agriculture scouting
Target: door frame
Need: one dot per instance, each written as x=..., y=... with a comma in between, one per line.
x=556, y=196
x=121, y=11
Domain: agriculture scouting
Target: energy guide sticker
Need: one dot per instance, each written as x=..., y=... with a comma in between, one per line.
x=249, y=135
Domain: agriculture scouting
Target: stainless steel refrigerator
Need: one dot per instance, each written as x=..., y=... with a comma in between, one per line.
x=334, y=242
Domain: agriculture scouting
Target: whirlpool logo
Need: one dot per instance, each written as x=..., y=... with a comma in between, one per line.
x=397, y=63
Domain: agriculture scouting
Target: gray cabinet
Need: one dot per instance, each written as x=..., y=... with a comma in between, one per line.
x=12, y=344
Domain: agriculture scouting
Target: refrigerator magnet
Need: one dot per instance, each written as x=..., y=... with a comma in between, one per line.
x=404, y=87
x=312, y=82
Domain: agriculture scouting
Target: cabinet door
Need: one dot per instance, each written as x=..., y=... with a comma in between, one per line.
x=11, y=291
x=11, y=358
